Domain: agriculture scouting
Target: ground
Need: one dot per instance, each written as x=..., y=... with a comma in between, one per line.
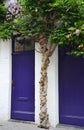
x=13, y=125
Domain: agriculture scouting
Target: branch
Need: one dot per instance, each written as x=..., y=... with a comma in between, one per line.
x=52, y=50
x=37, y=51
x=50, y=47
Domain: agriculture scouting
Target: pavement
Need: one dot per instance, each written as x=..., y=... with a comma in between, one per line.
x=14, y=125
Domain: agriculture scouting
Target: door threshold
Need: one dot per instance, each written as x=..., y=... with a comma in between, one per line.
x=21, y=121
x=69, y=126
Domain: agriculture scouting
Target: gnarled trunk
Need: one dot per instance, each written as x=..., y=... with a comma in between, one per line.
x=46, y=53
x=44, y=117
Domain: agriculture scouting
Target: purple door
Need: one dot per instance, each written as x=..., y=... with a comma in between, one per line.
x=71, y=89
x=23, y=86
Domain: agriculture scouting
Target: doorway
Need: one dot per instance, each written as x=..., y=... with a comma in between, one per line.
x=23, y=78
x=71, y=88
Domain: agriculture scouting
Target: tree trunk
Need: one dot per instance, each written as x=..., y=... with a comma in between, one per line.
x=44, y=117
x=46, y=53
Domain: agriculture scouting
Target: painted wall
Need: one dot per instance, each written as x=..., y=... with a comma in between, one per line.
x=5, y=79
x=5, y=84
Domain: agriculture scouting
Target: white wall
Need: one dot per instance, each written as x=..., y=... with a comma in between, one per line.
x=5, y=79
x=52, y=88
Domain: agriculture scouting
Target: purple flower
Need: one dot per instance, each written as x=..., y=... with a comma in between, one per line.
x=14, y=9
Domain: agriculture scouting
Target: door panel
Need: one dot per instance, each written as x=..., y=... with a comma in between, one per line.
x=71, y=89
x=23, y=86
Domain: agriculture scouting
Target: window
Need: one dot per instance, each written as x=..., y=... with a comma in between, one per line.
x=23, y=44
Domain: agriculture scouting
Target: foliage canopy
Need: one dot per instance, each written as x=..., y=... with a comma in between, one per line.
x=2, y=11
x=62, y=21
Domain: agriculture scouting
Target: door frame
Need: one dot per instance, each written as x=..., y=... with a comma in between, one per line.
x=13, y=42
x=75, y=120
